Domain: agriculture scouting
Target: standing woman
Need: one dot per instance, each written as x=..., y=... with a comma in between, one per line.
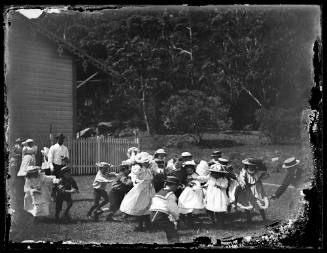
x=138, y=200
x=29, y=151
x=16, y=155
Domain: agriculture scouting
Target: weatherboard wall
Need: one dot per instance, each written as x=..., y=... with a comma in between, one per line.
x=40, y=88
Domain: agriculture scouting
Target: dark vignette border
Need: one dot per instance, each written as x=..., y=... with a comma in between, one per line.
x=306, y=232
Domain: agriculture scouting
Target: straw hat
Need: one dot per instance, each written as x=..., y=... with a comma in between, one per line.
x=247, y=162
x=32, y=169
x=189, y=164
x=223, y=161
x=29, y=141
x=217, y=168
x=103, y=165
x=290, y=162
x=186, y=154
x=216, y=153
x=160, y=152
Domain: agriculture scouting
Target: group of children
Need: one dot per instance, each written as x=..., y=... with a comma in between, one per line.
x=161, y=192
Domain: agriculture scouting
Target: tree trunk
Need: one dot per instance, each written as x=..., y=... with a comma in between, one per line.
x=144, y=108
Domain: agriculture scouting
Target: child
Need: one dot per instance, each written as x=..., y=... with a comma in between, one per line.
x=37, y=191
x=214, y=157
x=66, y=186
x=250, y=194
x=120, y=186
x=164, y=209
x=45, y=165
x=137, y=201
x=99, y=190
x=217, y=200
x=232, y=181
x=191, y=199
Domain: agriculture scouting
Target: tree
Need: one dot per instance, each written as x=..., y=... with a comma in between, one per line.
x=191, y=111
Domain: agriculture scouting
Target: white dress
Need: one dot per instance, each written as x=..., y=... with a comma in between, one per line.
x=28, y=159
x=191, y=199
x=138, y=200
x=216, y=198
x=37, y=203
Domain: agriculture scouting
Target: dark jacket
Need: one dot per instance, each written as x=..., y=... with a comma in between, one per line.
x=122, y=183
x=293, y=177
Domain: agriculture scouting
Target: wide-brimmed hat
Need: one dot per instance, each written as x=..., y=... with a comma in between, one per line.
x=290, y=162
x=143, y=157
x=29, y=141
x=172, y=180
x=216, y=153
x=60, y=135
x=32, y=169
x=186, y=154
x=160, y=152
x=65, y=169
x=223, y=161
x=191, y=164
x=218, y=168
x=103, y=165
x=136, y=169
x=247, y=162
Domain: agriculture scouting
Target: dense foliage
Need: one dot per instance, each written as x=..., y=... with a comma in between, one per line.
x=251, y=58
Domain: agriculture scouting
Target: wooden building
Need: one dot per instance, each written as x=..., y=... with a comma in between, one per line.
x=41, y=81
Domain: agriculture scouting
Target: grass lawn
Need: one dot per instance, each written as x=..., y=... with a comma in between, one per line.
x=110, y=232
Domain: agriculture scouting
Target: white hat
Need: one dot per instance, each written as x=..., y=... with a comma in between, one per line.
x=290, y=162
x=189, y=163
x=32, y=168
x=136, y=169
x=103, y=165
x=223, y=161
x=142, y=157
x=186, y=154
x=29, y=140
x=160, y=151
x=217, y=168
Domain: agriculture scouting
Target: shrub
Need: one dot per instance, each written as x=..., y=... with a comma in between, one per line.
x=279, y=124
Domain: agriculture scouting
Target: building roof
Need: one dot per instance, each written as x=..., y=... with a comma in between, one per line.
x=68, y=46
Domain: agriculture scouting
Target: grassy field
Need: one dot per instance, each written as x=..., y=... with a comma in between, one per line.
x=109, y=232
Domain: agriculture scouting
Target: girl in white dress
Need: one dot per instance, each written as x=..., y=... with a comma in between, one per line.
x=29, y=151
x=138, y=200
x=37, y=191
x=191, y=199
x=216, y=201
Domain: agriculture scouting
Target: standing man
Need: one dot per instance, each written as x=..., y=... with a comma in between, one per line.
x=58, y=156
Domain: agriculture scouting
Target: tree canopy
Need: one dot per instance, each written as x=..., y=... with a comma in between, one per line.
x=249, y=58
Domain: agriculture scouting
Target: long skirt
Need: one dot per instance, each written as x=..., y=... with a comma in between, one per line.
x=138, y=200
x=40, y=209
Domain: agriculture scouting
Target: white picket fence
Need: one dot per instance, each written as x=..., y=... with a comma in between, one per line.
x=84, y=153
